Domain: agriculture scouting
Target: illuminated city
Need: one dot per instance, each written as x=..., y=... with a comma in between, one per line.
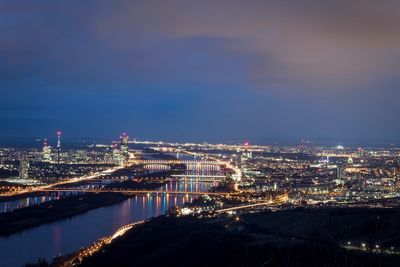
x=199, y=133
x=228, y=184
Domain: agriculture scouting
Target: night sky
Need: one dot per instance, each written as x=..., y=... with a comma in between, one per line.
x=200, y=70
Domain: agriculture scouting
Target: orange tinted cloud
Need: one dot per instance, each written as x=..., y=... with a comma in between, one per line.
x=311, y=44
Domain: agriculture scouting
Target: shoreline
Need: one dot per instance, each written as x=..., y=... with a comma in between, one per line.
x=16, y=221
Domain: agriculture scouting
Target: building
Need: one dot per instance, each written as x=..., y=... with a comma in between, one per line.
x=339, y=172
x=46, y=152
x=246, y=154
x=116, y=155
x=58, y=146
x=23, y=168
x=124, y=148
x=350, y=161
x=360, y=152
x=80, y=156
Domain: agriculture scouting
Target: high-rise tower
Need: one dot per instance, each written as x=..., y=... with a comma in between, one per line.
x=23, y=167
x=124, y=139
x=58, y=146
x=339, y=172
x=46, y=153
x=247, y=154
x=116, y=154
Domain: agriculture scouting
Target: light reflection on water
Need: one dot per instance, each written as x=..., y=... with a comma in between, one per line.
x=69, y=235
x=8, y=206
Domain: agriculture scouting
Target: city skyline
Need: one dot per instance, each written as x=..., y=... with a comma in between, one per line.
x=217, y=71
x=199, y=133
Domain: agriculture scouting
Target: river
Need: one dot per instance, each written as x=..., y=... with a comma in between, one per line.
x=10, y=205
x=65, y=236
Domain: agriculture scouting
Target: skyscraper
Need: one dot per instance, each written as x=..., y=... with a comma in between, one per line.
x=246, y=154
x=339, y=172
x=124, y=139
x=58, y=146
x=360, y=152
x=23, y=167
x=46, y=153
x=116, y=155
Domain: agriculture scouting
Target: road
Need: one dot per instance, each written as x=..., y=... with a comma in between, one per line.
x=64, y=182
x=244, y=207
x=49, y=187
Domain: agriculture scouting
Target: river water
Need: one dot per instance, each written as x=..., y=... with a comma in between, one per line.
x=65, y=236
x=10, y=205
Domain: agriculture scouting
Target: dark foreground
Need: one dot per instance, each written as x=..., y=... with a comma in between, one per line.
x=288, y=238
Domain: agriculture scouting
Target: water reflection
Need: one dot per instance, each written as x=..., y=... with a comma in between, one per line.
x=69, y=235
x=188, y=184
x=10, y=205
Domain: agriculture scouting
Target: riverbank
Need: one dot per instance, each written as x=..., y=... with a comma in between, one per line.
x=26, y=218
x=63, y=237
x=287, y=238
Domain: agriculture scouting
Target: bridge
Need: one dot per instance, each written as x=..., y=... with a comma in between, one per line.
x=214, y=162
x=198, y=176
x=165, y=164
x=130, y=191
x=237, y=172
x=174, y=161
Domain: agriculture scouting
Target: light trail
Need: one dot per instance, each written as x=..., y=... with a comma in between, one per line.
x=69, y=181
x=244, y=207
x=97, y=246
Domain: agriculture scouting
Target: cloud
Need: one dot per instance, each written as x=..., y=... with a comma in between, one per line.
x=289, y=46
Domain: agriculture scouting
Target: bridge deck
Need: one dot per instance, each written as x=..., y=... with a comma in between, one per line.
x=127, y=191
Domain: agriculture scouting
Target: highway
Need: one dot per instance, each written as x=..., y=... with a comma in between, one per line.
x=50, y=187
x=64, y=182
x=244, y=207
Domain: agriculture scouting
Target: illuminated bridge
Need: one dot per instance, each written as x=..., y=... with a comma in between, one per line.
x=160, y=164
x=174, y=161
x=130, y=191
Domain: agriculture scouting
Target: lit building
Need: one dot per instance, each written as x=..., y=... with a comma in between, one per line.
x=339, y=172
x=23, y=168
x=360, y=152
x=124, y=139
x=350, y=160
x=46, y=153
x=80, y=156
x=58, y=146
x=117, y=159
x=246, y=153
